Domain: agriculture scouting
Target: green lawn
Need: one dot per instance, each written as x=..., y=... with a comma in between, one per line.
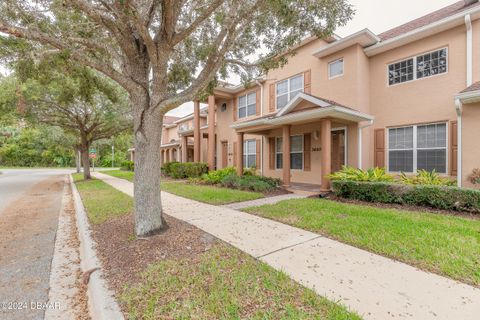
x=224, y=284
x=443, y=244
x=102, y=201
x=207, y=194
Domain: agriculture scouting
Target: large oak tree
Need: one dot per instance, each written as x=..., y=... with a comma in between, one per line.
x=167, y=52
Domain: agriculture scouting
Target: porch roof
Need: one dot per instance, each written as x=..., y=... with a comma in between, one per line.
x=470, y=94
x=323, y=108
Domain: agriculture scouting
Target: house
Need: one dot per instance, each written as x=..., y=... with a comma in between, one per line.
x=405, y=99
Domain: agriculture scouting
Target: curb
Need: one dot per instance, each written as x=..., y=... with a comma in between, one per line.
x=101, y=301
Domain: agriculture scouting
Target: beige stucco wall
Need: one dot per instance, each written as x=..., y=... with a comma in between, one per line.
x=470, y=143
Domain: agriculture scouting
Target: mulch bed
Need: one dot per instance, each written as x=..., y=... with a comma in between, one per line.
x=406, y=207
x=277, y=192
x=124, y=257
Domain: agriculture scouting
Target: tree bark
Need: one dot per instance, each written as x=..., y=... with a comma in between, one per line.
x=85, y=160
x=148, y=137
x=77, y=160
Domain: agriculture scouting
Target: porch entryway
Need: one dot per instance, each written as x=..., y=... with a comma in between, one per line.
x=339, y=148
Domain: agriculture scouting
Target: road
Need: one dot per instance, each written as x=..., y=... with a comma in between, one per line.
x=30, y=203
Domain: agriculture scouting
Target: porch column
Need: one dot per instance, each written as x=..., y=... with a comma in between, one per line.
x=326, y=132
x=286, y=155
x=211, y=133
x=240, y=153
x=196, y=131
x=184, y=149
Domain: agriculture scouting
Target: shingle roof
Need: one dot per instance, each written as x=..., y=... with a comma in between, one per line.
x=430, y=18
x=473, y=87
x=169, y=119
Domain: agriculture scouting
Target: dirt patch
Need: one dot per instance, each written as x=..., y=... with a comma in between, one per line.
x=277, y=192
x=123, y=256
x=404, y=207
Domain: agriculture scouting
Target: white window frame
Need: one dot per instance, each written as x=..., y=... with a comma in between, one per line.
x=246, y=105
x=338, y=75
x=302, y=152
x=289, y=91
x=414, y=58
x=415, y=148
x=246, y=154
x=277, y=153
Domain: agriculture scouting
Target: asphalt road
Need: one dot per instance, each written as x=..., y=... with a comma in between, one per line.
x=30, y=203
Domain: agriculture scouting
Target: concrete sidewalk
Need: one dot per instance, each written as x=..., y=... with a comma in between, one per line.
x=263, y=201
x=374, y=286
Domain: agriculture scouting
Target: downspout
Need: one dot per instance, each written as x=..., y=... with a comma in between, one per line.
x=458, y=107
x=360, y=146
x=263, y=137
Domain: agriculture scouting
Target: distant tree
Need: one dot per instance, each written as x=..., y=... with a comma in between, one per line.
x=165, y=53
x=77, y=99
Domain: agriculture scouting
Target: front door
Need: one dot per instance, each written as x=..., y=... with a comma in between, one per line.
x=338, y=149
x=224, y=154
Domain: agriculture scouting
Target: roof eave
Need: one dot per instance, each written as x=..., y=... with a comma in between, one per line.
x=364, y=38
x=422, y=32
x=469, y=97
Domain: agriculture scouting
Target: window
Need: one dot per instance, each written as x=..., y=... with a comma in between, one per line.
x=296, y=152
x=279, y=153
x=288, y=89
x=247, y=105
x=418, y=67
x=183, y=127
x=335, y=68
x=249, y=153
x=418, y=147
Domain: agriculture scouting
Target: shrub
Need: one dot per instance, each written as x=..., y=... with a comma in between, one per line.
x=354, y=174
x=127, y=165
x=179, y=170
x=250, y=182
x=216, y=177
x=474, y=177
x=440, y=197
x=429, y=178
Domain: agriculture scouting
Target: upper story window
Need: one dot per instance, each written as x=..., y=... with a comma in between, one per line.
x=288, y=89
x=183, y=127
x=421, y=66
x=335, y=68
x=418, y=147
x=247, y=105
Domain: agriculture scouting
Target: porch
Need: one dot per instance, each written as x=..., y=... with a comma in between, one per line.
x=307, y=140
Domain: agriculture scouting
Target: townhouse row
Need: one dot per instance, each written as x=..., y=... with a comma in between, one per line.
x=406, y=99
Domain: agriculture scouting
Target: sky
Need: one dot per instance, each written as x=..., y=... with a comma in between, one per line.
x=376, y=15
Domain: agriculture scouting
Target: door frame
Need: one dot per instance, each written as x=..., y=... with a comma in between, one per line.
x=345, y=128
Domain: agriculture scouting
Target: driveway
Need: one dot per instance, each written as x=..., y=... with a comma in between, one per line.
x=30, y=202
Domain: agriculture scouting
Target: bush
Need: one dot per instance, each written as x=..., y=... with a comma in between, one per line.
x=127, y=165
x=428, y=178
x=250, y=182
x=179, y=170
x=474, y=177
x=354, y=174
x=439, y=197
x=215, y=177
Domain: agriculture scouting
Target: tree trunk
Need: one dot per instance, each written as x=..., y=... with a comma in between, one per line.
x=85, y=161
x=148, y=137
x=77, y=159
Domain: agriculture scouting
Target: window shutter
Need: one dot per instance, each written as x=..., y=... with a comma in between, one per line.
x=453, y=148
x=257, y=155
x=307, y=81
x=235, y=108
x=271, y=153
x=307, y=146
x=235, y=154
x=379, y=157
x=258, y=101
x=271, y=103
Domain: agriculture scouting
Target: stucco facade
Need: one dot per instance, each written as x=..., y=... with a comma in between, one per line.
x=405, y=99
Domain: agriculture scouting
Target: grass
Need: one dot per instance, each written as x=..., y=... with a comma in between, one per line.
x=443, y=244
x=224, y=284
x=102, y=201
x=206, y=194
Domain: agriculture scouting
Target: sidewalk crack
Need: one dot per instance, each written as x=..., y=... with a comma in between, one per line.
x=287, y=247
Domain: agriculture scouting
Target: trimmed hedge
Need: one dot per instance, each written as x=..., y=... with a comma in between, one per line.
x=127, y=165
x=179, y=170
x=439, y=197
